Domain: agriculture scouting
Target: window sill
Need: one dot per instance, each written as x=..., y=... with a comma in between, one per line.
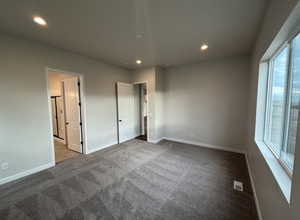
x=280, y=175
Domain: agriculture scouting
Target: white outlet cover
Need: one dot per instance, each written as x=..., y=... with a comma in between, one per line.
x=4, y=166
x=238, y=186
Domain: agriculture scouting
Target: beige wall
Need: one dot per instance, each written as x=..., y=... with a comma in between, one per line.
x=25, y=142
x=206, y=103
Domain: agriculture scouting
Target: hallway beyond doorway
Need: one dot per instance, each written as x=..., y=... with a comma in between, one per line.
x=63, y=153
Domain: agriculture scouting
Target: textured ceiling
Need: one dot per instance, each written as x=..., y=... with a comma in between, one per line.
x=159, y=32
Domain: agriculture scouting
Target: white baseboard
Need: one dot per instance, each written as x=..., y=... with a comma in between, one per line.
x=253, y=188
x=43, y=167
x=155, y=141
x=26, y=173
x=200, y=144
x=100, y=148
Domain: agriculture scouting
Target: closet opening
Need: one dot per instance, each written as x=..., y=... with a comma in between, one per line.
x=132, y=111
x=143, y=110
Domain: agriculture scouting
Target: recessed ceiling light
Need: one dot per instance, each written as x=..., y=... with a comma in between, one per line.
x=204, y=47
x=39, y=20
x=139, y=36
x=138, y=62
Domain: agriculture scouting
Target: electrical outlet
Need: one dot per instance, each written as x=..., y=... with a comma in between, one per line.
x=238, y=186
x=4, y=166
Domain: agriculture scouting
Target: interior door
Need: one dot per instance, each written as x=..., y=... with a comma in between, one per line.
x=54, y=121
x=126, y=111
x=61, y=117
x=72, y=112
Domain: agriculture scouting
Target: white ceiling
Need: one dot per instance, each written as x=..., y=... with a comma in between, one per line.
x=172, y=31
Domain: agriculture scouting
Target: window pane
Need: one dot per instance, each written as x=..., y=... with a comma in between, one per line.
x=289, y=150
x=277, y=101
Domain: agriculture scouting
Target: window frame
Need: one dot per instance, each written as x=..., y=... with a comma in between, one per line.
x=268, y=106
x=288, y=104
x=270, y=145
x=289, y=44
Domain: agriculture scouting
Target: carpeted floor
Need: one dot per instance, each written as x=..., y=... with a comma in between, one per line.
x=135, y=180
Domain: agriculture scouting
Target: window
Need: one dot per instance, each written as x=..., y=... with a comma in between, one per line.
x=276, y=101
x=283, y=103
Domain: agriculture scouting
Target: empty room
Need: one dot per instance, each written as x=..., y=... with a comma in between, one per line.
x=150, y=110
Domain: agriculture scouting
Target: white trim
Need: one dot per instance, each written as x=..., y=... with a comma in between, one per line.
x=140, y=82
x=102, y=147
x=156, y=141
x=26, y=173
x=148, y=118
x=83, y=112
x=124, y=83
x=200, y=144
x=280, y=175
x=50, y=117
x=253, y=189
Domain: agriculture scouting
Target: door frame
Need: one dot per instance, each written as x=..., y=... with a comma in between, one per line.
x=117, y=101
x=148, y=118
x=82, y=109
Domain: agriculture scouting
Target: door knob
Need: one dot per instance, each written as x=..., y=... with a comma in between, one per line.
x=67, y=123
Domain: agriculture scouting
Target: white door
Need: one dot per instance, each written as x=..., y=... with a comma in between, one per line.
x=126, y=111
x=73, y=119
x=54, y=121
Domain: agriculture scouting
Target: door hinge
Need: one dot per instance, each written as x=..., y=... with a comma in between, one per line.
x=79, y=103
x=80, y=123
x=81, y=142
x=78, y=83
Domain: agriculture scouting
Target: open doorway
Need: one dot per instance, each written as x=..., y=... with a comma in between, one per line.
x=132, y=108
x=66, y=114
x=143, y=100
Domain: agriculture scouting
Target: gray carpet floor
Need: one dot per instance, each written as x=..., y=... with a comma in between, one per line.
x=135, y=180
